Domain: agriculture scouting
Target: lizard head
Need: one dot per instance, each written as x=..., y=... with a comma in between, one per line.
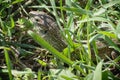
x=41, y=19
x=43, y=22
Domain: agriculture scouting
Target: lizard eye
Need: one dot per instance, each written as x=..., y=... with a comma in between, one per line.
x=43, y=31
x=37, y=20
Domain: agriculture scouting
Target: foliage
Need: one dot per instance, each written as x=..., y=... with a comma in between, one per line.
x=82, y=23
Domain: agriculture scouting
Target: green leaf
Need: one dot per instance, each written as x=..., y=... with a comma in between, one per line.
x=109, y=34
x=104, y=7
x=39, y=74
x=42, y=62
x=77, y=10
x=17, y=1
x=27, y=74
x=105, y=75
x=89, y=77
x=12, y=22
x=24, y=24
x=46, y=45
x=62, y=74
x=43, y=43
x=94, y=19
x=8, y=63
x=118, y=30
x=112, y=44
x=98, y=72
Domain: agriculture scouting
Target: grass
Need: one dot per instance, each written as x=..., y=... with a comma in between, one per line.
x=81, y=23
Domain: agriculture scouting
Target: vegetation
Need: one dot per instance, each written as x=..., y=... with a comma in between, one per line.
x=24, y=55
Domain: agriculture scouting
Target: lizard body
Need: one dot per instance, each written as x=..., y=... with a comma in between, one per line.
x=47, y=27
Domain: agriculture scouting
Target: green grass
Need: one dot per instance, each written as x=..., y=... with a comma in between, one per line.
x=78, y=21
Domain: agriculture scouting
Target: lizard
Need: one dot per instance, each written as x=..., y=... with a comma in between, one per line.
x=47, y=27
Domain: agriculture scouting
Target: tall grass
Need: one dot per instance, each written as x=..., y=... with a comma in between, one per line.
x=81, y=23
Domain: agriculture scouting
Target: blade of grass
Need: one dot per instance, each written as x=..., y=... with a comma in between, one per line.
x=46, y=45
x=39, y=75
x=98, y=72
x=104, y=8
x=8, y=63
x=88, y=44
x=58, y=22
x=94, y=19
x=111, y=43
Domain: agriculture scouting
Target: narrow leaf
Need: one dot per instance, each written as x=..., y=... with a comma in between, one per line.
x=98, y=72
x=8, y=64
x=59, y=55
